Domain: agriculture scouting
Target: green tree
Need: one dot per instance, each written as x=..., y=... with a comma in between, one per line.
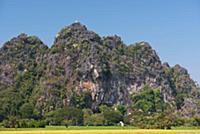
x=180, y=100
x=26, y=110
x=97, y=120
x=148, y=100
x=74, y=116
x=10, y=101
x=83, y=100
x=11, y=122
x=122, y=109
x=87, y=113
x=111, y=116
x=196, y=121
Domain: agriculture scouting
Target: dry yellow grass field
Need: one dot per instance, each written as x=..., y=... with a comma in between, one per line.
x=103, y=132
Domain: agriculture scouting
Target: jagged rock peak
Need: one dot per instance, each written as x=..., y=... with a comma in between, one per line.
x=142, y=47
x=22, y=35
x=76, y=32
x=77, y=26
x=25, y=39
x=115, y=38
x=144, y=44
x=21, y=42
x=112, y=41
x=178, y=69
x=166, y=65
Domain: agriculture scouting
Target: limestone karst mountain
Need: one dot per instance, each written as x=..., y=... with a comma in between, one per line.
x=85, y=70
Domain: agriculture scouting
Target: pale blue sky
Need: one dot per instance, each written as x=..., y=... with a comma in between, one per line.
x=172, y=27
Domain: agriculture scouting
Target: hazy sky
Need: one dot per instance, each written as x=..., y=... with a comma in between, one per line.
x=172, y=27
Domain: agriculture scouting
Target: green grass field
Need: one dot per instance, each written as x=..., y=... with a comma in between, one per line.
x=96, y=130
x=134, y=131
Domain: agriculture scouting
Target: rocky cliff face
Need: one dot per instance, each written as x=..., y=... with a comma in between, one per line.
x=85, y=70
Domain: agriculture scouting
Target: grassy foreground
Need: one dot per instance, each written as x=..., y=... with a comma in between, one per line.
x=134, y=131
x=95, y=130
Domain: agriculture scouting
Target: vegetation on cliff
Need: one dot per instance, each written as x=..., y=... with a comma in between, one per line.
x=85, y=79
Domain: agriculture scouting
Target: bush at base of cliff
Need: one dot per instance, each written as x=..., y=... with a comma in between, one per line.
x=154, y=121
x=67, y=116
x=14, y=122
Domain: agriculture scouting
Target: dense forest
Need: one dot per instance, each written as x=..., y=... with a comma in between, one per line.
x=85, y=79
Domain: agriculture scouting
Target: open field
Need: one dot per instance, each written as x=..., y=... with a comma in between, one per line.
x=96, y=130
x=134, y=131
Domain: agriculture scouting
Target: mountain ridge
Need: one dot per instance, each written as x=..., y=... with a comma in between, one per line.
x=83, y=70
